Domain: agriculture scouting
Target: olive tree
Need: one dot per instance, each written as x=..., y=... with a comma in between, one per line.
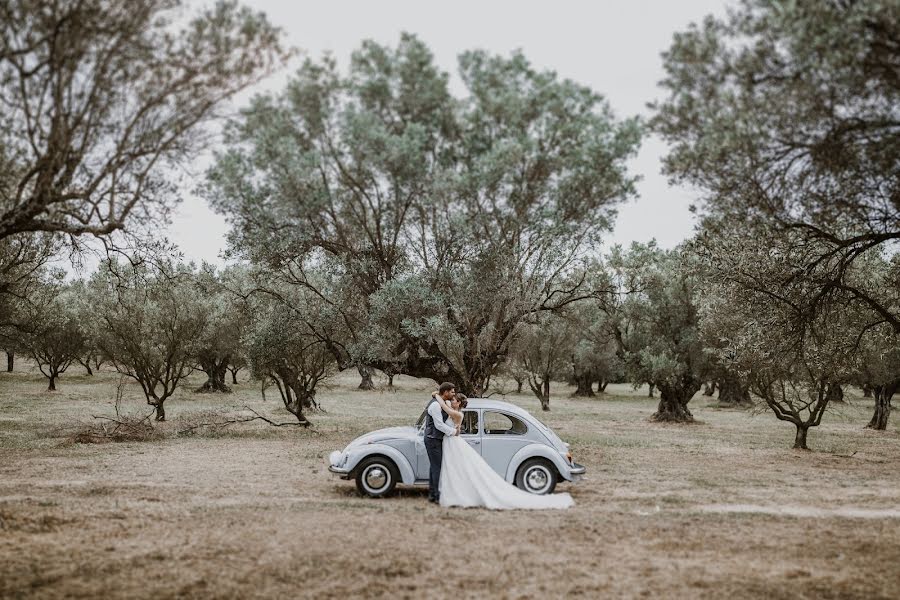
x=649, y=297
x=54, y=336
x=151, y=320
x=101, y=98
x=220, y=345
x=795, y=350
x=595, y=354
x=791, y=137
x=282, y=350
x=443, y=222
x=543, y=352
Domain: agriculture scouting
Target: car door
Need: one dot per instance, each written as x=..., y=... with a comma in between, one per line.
x=470, y=428
x=502, y=435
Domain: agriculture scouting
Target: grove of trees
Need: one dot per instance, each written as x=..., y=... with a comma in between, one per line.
x=381, y=222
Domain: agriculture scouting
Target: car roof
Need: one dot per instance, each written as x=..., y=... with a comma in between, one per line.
x=487, y=403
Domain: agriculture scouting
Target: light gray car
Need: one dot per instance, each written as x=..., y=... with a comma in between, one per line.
x=519, y=447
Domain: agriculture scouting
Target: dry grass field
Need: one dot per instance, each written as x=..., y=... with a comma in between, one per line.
x=719, y=509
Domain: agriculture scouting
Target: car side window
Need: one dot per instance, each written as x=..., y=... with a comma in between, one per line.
x=497, y=423
x=469, y=425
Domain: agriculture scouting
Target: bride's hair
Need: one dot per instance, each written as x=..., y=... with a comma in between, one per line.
x=461, y=398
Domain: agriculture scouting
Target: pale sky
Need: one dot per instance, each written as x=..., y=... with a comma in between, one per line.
x=613, y=46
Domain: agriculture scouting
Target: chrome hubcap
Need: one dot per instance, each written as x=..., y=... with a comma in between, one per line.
x=375, y=477
x=537, y=479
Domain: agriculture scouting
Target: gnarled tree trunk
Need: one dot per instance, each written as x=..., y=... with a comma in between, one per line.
x=883, y=396
x=10, y=359
x=215, y=376
x=674, y=398
x=583, y=385
x=835, y=394
x=734, y=391
x=365, y=374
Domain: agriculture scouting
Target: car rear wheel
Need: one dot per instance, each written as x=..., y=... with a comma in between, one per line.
x=537, y=476
x=377, y=477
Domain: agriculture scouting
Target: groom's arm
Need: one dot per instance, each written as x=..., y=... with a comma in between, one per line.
x=435, y=411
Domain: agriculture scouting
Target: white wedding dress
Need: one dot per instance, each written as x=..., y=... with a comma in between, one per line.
x=467, y=480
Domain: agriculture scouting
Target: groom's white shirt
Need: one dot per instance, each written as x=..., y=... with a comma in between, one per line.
x=434, y=409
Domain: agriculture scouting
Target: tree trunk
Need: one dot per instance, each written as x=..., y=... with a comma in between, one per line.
x=734, y=391
x=584, y=385
x=10, y=359
x=390, y=380
x=365, y=374
x=160, y=411
x=601, y=386
x=800, y=439
x=835, y=394
x=709, y=388
x=87, y=366
x=519, y=383
x=650, y=392
x=215, y=377
x=883, y=395
x=867, y=390
x=545, y=395
x=52, y=386
x=673, y=401
x=234, y=373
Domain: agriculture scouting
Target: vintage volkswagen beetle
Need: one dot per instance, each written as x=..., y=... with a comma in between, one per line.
x=518, y=446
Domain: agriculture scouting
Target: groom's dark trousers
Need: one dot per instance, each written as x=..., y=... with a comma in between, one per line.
x=435, y=450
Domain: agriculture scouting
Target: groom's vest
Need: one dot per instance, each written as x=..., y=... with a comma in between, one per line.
x=430, y=430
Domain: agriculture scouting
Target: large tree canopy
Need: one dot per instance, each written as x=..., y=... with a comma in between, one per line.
x=786, y=116
x=97, y=98
x=434, y=225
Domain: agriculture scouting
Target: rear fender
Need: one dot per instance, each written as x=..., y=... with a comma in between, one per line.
x=537, y=451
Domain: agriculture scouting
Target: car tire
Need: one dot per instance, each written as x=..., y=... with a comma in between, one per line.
x=377, y=477
x=537, y=476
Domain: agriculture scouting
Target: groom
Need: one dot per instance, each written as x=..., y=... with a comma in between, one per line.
x=436, y=427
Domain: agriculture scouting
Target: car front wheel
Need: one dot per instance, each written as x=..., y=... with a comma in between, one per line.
x=537, y=476
x=377, y=477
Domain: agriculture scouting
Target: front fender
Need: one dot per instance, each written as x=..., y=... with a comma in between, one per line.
x=356, y=455
x=533, y=451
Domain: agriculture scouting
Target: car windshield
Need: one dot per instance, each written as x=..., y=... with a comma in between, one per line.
x=420, y=422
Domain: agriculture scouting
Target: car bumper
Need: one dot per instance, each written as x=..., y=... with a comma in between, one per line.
x=577, y=469
x=339, y=471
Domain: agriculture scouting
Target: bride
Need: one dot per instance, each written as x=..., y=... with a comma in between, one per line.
x=467, y=480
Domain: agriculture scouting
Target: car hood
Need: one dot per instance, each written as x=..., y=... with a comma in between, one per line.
x=407, y=432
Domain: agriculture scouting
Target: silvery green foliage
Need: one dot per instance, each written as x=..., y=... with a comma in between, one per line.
x=434, y=224
x=786, y=116
x=649, y=297
x=151, y=320
x=543, y=352
x=595, y=353
x=103, y=98
x=226, y=318
x=284, y=351
x=764, y=310
x=51, y=332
